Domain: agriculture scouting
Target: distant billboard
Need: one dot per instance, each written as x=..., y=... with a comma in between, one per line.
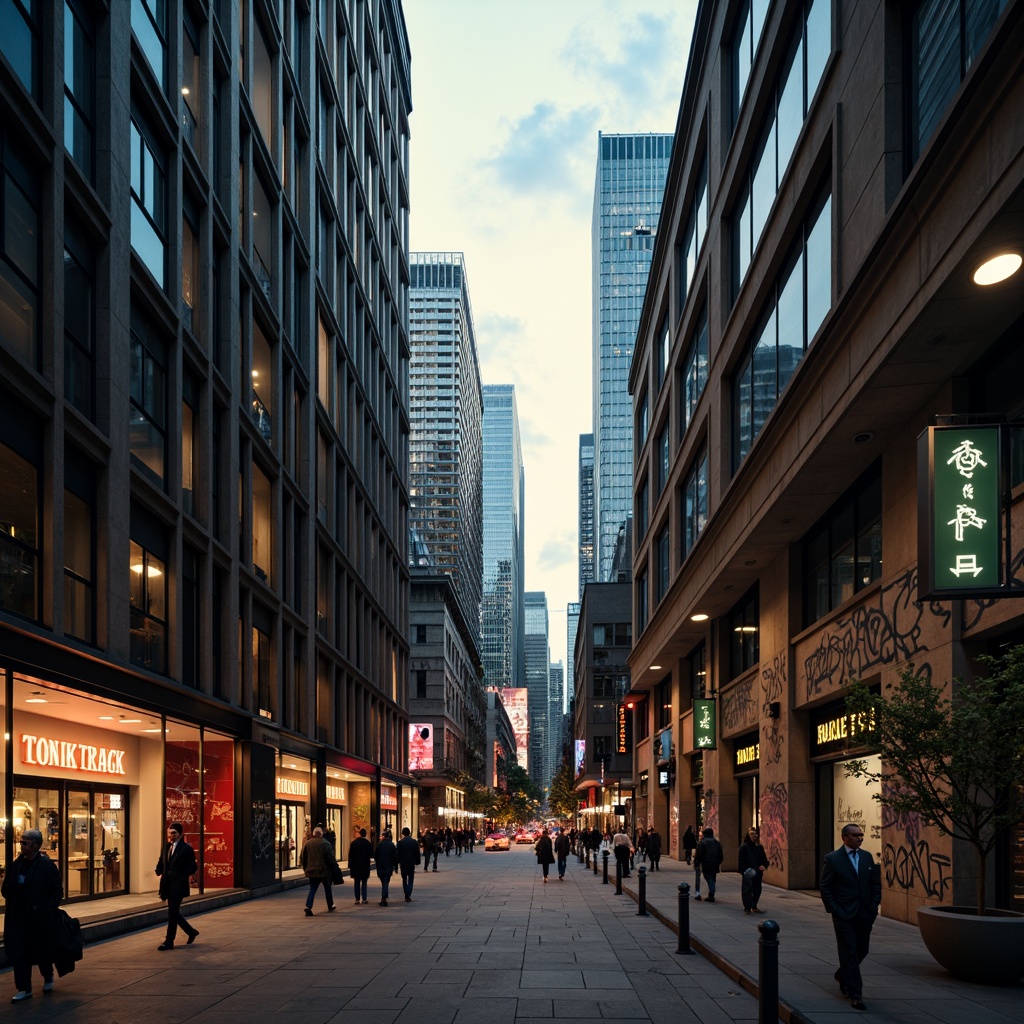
x=515, y=701
x=581, y=756
x=421, y=747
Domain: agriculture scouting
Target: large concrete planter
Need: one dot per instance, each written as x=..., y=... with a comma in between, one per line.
x=988, y=950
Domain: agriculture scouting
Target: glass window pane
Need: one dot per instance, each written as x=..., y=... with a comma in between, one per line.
x=791, y=324
x=765, y=387
x=764, y=186
x=20, y=241
x=791, y=110
x=819, y=43
x=819, y=270
x=18, y=43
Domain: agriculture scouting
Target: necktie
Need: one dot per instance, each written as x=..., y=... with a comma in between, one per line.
x=853, y=860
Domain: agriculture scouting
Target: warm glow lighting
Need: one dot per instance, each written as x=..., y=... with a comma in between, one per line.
x=184, y=90
x=654, y=668
x=128, y=721
x=999, y=268
x=699, y=617
x=35, y=700
x=151, y=571
x=745, y=629
x=106, y=718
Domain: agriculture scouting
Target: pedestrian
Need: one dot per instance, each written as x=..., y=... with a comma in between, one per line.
x=408, y=853
x=316, y=859
x=623, y=849
x=545, y=853
x=562, y=848
x=177, y=864
x=707, y=859
x=32, y=891
x=752, y=864
x=851, y=890
x=386, y=857
x=640, y=844
x=360, y=854
x=689, y=843
x=654, y=848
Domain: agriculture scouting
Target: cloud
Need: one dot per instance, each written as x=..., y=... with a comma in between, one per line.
x=538, y=153
x=558, y=553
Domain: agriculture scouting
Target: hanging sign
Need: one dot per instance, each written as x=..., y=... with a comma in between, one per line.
x=704, y=725
x=624, y=729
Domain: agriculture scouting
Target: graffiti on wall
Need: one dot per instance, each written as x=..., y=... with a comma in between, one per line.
x=711, y=809
x=739, y=707
x=908, y=862
x=873, y=635
x=773, y=684
x=974, y=611
x=775, y=823
x=262, y=830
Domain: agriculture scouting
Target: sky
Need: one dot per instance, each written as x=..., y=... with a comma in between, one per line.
x=508, y=99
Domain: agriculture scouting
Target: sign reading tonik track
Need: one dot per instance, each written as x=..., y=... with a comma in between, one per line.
x=960, y=535
x=704, y=724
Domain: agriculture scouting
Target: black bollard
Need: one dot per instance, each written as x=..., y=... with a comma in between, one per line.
x=684, y=920
x=618, y=877
x=604, y=855
x=641, y=876
x=768, y=973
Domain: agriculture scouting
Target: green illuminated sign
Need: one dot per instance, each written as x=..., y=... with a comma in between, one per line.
x=962, y=528
x=704, y=724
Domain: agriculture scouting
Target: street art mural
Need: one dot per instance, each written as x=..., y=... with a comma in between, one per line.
x=773, y=685
x=775, y=823
x=909, y=862
x=739, y=707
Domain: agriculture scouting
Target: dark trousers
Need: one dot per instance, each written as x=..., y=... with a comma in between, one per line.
x=622, y=856
x=711, y=878
x=561, y=867
x=853, y=937
x=314, y=884
x=407, y=880
x=23, y=974
x=751, y=890
x=174, y=919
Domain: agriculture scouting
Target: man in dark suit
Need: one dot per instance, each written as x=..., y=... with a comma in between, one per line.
x=851, y=889
x=177, y=864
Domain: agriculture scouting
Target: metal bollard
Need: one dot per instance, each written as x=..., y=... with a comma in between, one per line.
x=641, y=876
x=768, y=973
x=604, y=880
x=618, y=877
x=684, y=920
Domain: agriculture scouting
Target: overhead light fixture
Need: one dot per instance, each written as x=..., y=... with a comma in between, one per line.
x=998, y=268
x=36, y=698
x=654, y=668
x=151, y=570
x=128, y=721
x=745, y=629
x=699, y=617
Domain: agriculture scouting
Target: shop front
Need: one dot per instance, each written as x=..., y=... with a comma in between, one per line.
x=837, y=739
x=292, y=813
x=746, y=766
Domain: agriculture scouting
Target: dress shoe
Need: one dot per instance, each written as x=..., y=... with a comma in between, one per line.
x=747, y=910
x=308, y=912
x=331, y=909
x=696, y=899
x=47, y=986
x=408, y=899
x=858, y=1004
x=192, y=938
x=20, y=997
x=164, y=946
x=383, y=903
x=365, y=901
x=756, y=910
x=710, y=899
x=842, y=984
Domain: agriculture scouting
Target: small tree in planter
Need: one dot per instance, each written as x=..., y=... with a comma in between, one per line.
x=957, y=762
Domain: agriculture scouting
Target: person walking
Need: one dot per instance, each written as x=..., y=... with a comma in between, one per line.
x=562, y=848
x=707, y=859
x=752, y=864
x=623, y=849
x=545, y=853
x=360, y=854
x=851, y=890
x=408, y=853
x=32, y=891
x=177, y=864
x=654, y=848
x=386, y=857
x=689, y=844
x=315, y=859
x=640, y=844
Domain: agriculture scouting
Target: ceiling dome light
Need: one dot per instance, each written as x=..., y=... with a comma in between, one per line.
x=699, y=617
x=999, y=268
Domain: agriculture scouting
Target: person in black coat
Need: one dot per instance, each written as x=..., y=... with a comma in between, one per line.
x=752, y=864
x=851, y=890
x=562, y=848
x=360, y=854
x=545, y=853
x=32, y=890
x=408, y=852
x=386, y=858
x=177, y=864
x=654, y=848
x=707, y=860
x=689, y=843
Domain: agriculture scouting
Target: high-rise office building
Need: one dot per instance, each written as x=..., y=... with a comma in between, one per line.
x=556, y=733
x=631, y=173
x=203, y=430
x=537, y=651
x=446, y=425
x=586, y=511
x=504, y=488
x=572, y=617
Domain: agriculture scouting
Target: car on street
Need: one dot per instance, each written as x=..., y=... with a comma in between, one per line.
x=496, y=841
x=526, y=837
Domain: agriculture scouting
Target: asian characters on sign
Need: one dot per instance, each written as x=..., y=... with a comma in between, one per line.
x=966, y=458
x=704, y=724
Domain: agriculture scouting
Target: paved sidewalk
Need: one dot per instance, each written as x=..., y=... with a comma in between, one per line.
x=901, y=980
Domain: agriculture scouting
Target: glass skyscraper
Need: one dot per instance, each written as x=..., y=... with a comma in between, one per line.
x=631, y=172
x=538, y=682
x=446, y=416
x=504, y=489
x=586, y=510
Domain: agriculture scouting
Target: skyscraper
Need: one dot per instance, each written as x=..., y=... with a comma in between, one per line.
x=572, y=617
x=556, y=719
x=631, y=173
x=538, y=666
x=504, y=490
x=586, y=511
x=446, y=425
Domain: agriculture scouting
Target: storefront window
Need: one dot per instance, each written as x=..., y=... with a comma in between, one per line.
x=853, y=803
x=292, y=811
x=218, y=860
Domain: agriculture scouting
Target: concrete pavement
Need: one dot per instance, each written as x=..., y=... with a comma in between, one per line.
x=484, y=940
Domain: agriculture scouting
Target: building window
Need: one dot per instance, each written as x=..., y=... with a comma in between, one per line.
x=742, y=626
x=610, y=684
x=262, y=527
x=801, y=297
x=843, y=553
x=697, y=669
x=79, y=549
x=421, y=684
x=19, y=40
x=421, y=635
x=744, y=48
x=191, y=618
x=79, y=85
x=148, y=393
x=79, y=321
x=664, y=351
x=663, y=456
x=693, y=239
x=695, y=502
x=149, y=23
x=664, y=564
x=262, y=673
x=642, y=504
x=19, y=535
x=694, y=372
x=20, y=231
x=663, y=703
x=262, y=237
x=263, y=85
x=189, y=273
x=191, y=106
x=262, y=377
x=189, y=416
x=643, y=423
x=613, y=634
x=149, y=203
x=945, y=38
x=148, y=593
x=642, y=606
